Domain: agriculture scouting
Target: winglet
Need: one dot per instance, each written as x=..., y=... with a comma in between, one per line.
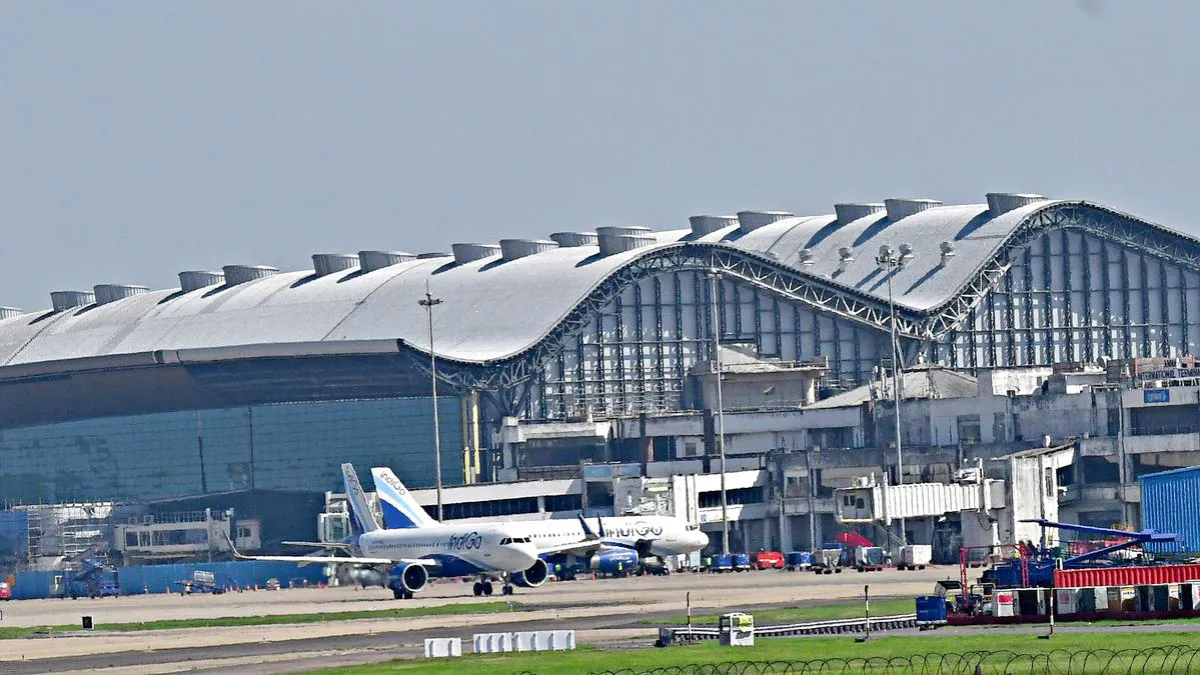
x=236, y=553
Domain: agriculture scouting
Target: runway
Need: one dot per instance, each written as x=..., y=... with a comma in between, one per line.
x=614, y=609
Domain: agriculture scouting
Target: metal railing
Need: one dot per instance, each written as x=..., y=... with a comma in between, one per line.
x=1168, y=660
x=833, y=627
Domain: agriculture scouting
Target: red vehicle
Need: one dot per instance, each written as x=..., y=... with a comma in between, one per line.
x=5, y=591
x=765, y=560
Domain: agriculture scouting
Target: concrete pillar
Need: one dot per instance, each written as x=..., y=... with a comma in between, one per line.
x=818, y=532
x=541, y=504
x=785, y=532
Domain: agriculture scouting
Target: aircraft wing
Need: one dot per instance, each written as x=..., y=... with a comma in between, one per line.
x=319, y=544
x=584, y=546
x=325, y=559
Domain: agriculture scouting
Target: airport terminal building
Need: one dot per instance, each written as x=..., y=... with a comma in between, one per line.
x=251, y=380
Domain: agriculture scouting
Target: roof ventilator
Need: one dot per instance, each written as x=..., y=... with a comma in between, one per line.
x=106, y=293
x=511, y=249
x=465, y=253
x=702, y=225
x=328, y=263
x=369, y=261
x=574, y=239
x=848, y=213
x=61, y=300
x=10, y=312
x=240, y=274
x=194, y=280
x=1002, y=202
x=845, y=257
x=750, y=221
x=619, y=239
x=889, y=257
x=947, y=251
x=806, y=258
x=902, y=208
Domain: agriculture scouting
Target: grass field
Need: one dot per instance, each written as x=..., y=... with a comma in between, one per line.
x=799, y=649
x=227, y=621
x=843, y=610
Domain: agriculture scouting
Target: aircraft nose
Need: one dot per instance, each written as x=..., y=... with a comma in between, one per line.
x=700, y=540
x=525, y=554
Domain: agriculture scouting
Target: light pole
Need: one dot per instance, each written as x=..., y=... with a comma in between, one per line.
x=888, y=260
x=428, y=303
x=713, y=277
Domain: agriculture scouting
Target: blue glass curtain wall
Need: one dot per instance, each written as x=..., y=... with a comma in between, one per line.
x=287, y=446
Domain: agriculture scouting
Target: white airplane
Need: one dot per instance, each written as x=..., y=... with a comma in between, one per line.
x=406, y=558
x=608, y=544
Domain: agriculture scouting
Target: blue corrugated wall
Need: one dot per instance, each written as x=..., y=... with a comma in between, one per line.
x=1171, y=503
x=162, y=578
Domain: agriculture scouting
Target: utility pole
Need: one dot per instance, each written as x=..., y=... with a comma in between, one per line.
x=713, y=277
x=889, y=260
x=428, y=303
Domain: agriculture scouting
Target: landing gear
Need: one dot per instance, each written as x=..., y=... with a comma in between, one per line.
x=508, y=589
x=401, y=594
x=482, y=588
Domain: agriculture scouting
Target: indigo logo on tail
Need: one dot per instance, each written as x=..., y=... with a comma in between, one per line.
x=400, y=510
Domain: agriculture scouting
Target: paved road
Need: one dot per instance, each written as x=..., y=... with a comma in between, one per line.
x=599, y=610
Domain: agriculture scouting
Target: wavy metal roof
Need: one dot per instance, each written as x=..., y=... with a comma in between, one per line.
x=494, y=308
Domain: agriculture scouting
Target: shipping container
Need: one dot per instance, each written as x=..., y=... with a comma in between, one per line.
x=1171, y=503
x=1127, y=576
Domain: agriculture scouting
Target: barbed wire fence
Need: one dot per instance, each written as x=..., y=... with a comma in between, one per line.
x=1168, y=660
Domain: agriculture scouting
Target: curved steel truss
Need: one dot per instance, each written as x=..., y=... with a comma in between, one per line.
x=508, y=378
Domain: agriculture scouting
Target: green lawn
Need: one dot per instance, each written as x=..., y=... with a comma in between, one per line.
x=227, y=621
x=842, y=610
x=799, y=649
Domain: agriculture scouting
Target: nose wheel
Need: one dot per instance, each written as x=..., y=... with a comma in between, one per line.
x=508, y=589
x=483, y=588
x=401, y=594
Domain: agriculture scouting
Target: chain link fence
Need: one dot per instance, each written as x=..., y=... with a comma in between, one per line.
x=1171, y=660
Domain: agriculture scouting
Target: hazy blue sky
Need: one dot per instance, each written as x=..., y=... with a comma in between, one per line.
x=139, y=139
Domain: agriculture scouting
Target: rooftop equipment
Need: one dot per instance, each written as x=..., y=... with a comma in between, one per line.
x=903, y=208
x=240, y=274
x=106, y=293
x=369, y=261
x=61, y=300
x=574, y=239
x=328, y=263
x=193, y=280
x=750, y=221
x=702, y=225
x=848, y=213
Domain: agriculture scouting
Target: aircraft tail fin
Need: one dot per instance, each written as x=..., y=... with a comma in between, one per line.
x=400, y=510
x=360, y=510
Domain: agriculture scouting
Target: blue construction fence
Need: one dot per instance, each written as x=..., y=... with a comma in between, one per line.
x=164, y=578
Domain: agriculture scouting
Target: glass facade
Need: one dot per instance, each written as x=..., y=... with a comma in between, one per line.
x=285, y=446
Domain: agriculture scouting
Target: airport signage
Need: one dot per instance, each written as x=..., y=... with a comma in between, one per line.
x=1156, y=395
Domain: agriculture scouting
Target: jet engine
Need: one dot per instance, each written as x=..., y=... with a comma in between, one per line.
x=534, y=576
x=408, y=577
x=614, y=561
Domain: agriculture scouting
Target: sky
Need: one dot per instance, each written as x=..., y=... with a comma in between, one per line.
x=140, y=139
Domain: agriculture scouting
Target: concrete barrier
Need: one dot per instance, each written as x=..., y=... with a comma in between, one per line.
x=544, y=640
x=442, y=647
x=489, y=643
